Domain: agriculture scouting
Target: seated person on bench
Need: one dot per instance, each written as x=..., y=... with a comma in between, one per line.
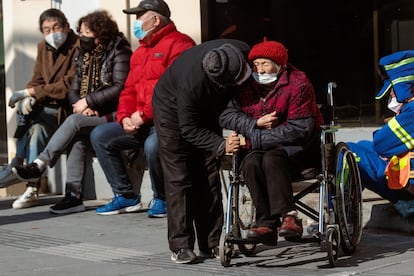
x=101, y=70
x=385, y=163
x=277, y=113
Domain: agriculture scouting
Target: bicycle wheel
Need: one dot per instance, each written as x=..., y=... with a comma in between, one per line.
x=348, y=198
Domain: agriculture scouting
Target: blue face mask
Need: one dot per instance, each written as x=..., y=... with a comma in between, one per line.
x=137, y=29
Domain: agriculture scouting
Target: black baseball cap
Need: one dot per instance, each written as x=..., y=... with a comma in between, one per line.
x=150, y=5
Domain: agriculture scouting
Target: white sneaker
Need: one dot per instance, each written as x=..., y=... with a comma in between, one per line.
x=28, y=199
x=133, y=209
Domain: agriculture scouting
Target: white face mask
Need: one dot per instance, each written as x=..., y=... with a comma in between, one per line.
x=56, y=39
x=394, y=105
x=264, y=78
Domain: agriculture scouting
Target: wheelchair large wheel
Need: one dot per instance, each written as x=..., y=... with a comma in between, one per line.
x=245, y=218
x=348, y=198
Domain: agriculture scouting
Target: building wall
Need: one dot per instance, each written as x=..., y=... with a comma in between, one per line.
x=21, y=35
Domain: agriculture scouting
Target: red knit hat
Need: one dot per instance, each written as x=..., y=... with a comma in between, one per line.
x=272, y=50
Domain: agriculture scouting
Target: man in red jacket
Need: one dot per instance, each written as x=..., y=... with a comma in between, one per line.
x=160, y=45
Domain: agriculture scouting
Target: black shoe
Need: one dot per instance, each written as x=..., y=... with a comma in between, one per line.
x=211, y=253
x=184, y=256
x=69, y=204
x=29, y=172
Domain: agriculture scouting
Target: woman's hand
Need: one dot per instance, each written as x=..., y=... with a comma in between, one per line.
x=90, y=112
x=268, y=121
x=80, y=106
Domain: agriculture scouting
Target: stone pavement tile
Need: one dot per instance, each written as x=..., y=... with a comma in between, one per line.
x=384, y=216
x=35, y=242
x=381, y=214
x=312, y=199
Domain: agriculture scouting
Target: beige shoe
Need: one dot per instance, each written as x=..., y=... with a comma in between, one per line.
x=28, y=199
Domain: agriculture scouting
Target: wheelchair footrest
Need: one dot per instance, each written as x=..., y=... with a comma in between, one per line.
x=304, y=239
x=233, y=240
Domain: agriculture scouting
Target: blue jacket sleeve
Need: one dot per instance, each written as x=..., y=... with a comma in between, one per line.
x=397, y=136
x=233, y=118
x=293, y=133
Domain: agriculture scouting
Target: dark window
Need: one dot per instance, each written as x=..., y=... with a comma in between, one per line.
x=337, y=41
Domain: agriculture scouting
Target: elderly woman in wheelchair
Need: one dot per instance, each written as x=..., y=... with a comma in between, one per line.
x=276, y=112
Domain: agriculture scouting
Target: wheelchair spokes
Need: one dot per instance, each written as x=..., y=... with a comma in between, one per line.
x=349, y=199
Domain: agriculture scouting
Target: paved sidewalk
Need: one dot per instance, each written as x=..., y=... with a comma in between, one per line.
x=35, y=242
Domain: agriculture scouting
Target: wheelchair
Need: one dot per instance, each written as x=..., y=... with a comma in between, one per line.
x=338, y=216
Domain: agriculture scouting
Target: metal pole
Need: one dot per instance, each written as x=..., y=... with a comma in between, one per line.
x=376, y=58
x=128, y=22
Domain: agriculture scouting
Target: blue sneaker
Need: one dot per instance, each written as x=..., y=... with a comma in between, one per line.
x=120, y=204
x=405, y=208
x=158, y=209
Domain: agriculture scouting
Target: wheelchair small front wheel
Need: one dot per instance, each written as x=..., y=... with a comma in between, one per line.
x=225, y=251
x=332, y=245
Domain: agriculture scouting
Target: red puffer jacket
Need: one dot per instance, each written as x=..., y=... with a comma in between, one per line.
x=148, y=63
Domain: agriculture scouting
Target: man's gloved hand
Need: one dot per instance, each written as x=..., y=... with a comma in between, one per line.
x=17, y=96
x=25, y=106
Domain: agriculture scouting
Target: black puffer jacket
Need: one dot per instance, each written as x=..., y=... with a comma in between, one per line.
x=185, y=98
x=114, y=72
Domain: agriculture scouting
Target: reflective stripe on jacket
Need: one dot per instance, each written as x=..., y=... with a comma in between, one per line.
x=397, y=136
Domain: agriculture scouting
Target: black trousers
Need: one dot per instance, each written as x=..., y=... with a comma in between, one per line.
x=193, y=191
x=268, y=174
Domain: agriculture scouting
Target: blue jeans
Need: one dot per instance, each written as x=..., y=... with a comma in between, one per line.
x=109, y=140
x=154, y=164
x=35, y=138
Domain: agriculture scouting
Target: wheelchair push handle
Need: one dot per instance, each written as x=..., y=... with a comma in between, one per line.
x=330, y=101
x=235, y=169
x=331, y=86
